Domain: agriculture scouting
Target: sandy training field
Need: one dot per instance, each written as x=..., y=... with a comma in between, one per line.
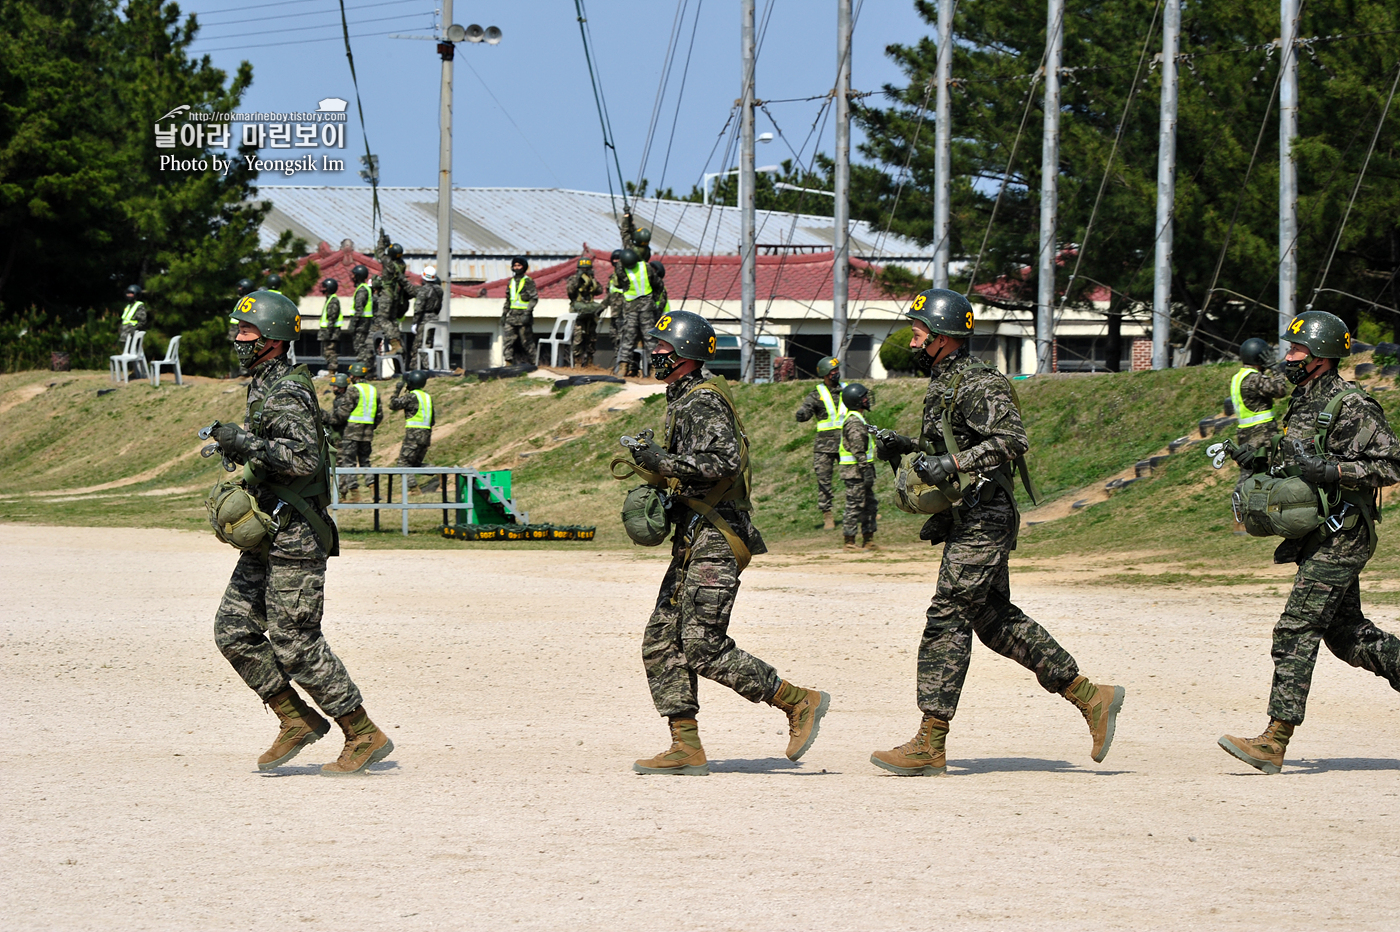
x=511, y=683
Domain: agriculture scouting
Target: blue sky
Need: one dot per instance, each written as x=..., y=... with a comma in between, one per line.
x=540, y=129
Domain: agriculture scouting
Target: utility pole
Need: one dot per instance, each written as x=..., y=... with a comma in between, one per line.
x=748, y=285
x=942, y=166
x=1049, y=189
x=1287, y=171
x=447, y=49
x=841, y=219
x=1166, y=191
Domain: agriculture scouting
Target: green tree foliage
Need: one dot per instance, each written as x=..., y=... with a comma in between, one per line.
x=85, y=205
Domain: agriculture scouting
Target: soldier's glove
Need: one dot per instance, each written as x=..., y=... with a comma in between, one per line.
x=938, y=469
x=236, y=442
x=1244, y=456
x=647, y=454
x=1318, y=470
x=890, y=446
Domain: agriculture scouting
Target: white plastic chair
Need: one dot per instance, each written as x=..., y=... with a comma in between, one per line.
x=437, y=335
x=132, y=352
x=172, y=358
x=561, y=336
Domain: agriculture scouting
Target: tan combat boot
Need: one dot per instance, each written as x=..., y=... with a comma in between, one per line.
x=850, y=543
x=301, y=726
x=804, y=709
x=828, y=523
x=685, y=756
x=923, y=755
x=1264, y=752
x=1100, y=705
x=365, y=744
x=867, y=542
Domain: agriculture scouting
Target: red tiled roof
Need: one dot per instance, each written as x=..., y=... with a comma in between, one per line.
x=337, y=263
x=1016, y=287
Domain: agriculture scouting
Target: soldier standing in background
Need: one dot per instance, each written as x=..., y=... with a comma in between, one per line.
x=705, y=457
x=858, y=469
x=1335, y=437
x=824, y=403
x=518, y=315
x=1253, y=392
x=582, y=288
x=268, y=625
x=330, y=323
x=362, y=315
x=637, y=315
x=972, y=403
x=274, y=283
x=135, y=316
x=617, y=283
x=355, y=413
x=427, y=306
x=417, y=406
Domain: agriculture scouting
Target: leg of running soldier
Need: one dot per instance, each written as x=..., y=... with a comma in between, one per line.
x=239, y=624
x=707, y=598
x=1353, y=638
x=672, y=682
x=946, y=647
x=1311, y=608
x=295, y=599
x=1003, y=627
x=822, y=464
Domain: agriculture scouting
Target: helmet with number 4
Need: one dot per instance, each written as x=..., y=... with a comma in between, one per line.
x=690, y=334
x=943, y=311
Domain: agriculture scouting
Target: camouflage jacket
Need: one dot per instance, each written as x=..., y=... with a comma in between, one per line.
x=857, y=440
x=332, y=316
x=407, y=402
x=343, y=407
x=582, y=289
x=1367, y=456
x=427, y=301
x=290, y=449
x=812, y=407
x=985, y=422
x=396, y=288
x=1262, y=389
x=702, y=447
x=530, y=295
x=361, y=300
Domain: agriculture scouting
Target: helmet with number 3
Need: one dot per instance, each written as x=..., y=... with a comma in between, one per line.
x=690, y=334
x=943, y=311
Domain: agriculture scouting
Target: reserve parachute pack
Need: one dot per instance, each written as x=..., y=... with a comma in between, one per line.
x=235, y=516
x=915, y=496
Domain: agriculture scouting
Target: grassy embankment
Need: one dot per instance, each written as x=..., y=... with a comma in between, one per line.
x=130, y=458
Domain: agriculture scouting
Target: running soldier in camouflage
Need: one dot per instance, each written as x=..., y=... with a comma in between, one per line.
x=857, y=457
x=356, y=413
x=583, y=290
x=1253, y=391
x=824, y=404
x=417, y=406
x=704, y=461
x=268, y=624
x=1359, y=457
x=974, y=593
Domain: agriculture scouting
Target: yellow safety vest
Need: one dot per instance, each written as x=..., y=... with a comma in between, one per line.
x=835, y=409
x=369, y=302
x=424, y=418
x=129, y=314
x=1247, y=417
x=367, y=405
x=847, y=457
x=638, y=282
x=325, y=312
x=516, y=286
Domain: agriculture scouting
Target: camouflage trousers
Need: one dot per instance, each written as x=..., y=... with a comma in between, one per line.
x=268, y=626
x=690, y=638
x=861, y=505
x=636, y=320
x=364, y=347
x=823, y=464
x=1257, y=435
x=353, y=453
x=1325, y=607
x=585, y=342
x=415, y=447
x=327, y=339
x=518, y=343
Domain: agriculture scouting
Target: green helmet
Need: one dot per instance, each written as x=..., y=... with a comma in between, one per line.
x=340, y=380
x=1255, y=352
x=415, y=379
x=274, y=281
x=359, y=370
x=856, y=397
x=689, y=333
x=275, y=316
x=1325, y=335
x=942, y=311
x=628, y=258
x=642, y=236
x=827, y=366
x=395, y=251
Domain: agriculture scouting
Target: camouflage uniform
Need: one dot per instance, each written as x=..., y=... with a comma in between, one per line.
x=416, y=440
x=426, y=309
x=142, y=322
x=1325, y=604
x=688, y=634
x=861, y=504
x=636, y=320
x=1259, y=392
x=364, y=346
x=518, y=326
x=268, y=625
x=622, y=361
x=974, y=591
x=356, y=440
x=827, y=446
x=582, y=289
x=328, y=335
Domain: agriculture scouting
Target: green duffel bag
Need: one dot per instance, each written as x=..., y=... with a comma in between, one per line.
x=1268, y=506
x=235, y=516
x=644, y=516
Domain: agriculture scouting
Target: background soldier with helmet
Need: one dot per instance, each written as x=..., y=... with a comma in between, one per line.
x=1253, y=391
x=268, y=624
x=427, y=306
x=634, y=278
x=330, y=323
x=362, y=310
x=1335, y=438
x=135, y=316
x=857, y=458
x=274, y=283
x=356, y=412
x=518, y=315
x=824, y=403
x=583, y=290
x=703, y=461
x=617, y=283
x=390, y=310
x=971, y=436
x=417, y=406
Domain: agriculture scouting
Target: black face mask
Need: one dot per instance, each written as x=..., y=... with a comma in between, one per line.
x=663, y=365
x=248, y=350
x=1296, y=370
x=923, y=362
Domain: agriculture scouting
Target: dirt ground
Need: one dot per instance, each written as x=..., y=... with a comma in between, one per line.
x=511, y=683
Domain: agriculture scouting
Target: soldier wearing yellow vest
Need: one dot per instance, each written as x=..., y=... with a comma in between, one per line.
x=417, y=406
x=637, y=315
x=135, y=316
x=858, y=469
x=518, y=315
x=1253, y=390
x=824, y=403
x=356, y=413
x=329, y=324
x=362, y=315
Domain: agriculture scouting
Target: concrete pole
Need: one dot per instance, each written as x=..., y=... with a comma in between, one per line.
x=748, y=267
x=1166, y=191
x=942, y=165
x=444, y=211
x=841, y=219
x=1287, y=171
x=1049, y=188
